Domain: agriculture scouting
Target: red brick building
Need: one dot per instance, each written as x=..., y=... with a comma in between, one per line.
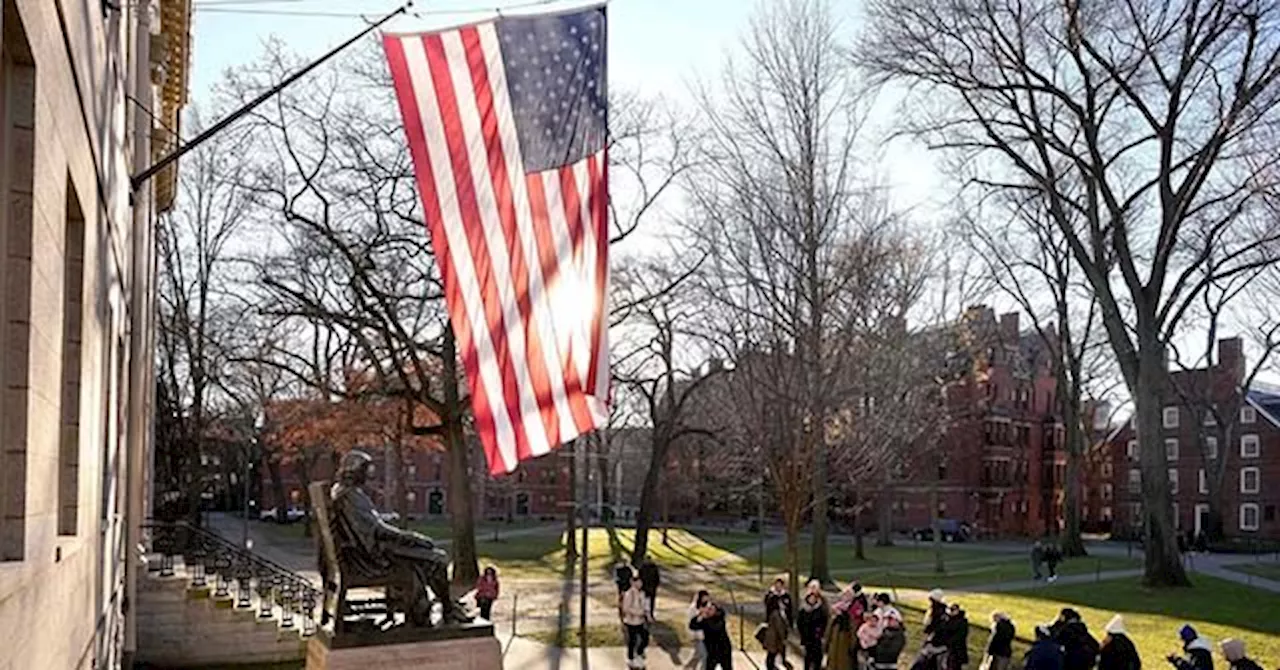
x=1001, y=464
x=1211, y=427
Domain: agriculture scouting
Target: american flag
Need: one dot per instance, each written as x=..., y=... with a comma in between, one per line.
x=506, y=122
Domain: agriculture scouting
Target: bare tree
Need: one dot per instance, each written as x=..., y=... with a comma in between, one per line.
x=1142, y=125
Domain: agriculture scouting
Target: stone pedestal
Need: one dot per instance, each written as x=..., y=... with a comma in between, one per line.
x=471, y=647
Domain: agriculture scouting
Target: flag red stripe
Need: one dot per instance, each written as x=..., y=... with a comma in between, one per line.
x=439, y=241
x=506, y=210
x=472, y=224
x=597, y=169
x=572, y=200
x=552, y=268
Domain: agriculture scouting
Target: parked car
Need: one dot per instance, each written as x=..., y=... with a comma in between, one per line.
x=952, y=531
x=291, y=515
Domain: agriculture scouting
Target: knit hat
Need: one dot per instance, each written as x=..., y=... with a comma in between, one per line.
x=1116, y=625
x=936, y=595
x=999, y=616
x=1233, y=649
x=1187, y=633
x=1069, y=614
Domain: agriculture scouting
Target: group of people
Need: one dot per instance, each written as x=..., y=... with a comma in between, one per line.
x=1048, y=556
x=853, y=632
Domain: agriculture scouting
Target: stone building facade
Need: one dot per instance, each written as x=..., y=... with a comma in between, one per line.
x=82, y=84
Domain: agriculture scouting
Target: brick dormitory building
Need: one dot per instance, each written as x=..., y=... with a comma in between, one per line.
x=1211, y=425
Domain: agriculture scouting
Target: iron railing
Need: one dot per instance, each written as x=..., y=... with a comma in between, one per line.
x=208, y=556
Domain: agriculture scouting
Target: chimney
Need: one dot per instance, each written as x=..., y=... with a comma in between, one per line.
x=1231, y=358
x=1009, y=328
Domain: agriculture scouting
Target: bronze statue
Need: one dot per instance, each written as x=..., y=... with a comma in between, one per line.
x=371, y=548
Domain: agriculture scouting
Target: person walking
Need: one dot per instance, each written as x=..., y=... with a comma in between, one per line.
x=1079, y=648
x=934, y=649
x=953, y=634
x=1037, y=557
x=710, y=623
x=1233, y=651
x=699, y=640
x=846, y=616
x=1045, y=653
x=487, y=592
x=1000, y=646
x=1198, y=651
x=811, y=622
x=1052, y=557
x=635, y=616
x=778, y=615
x=1117, y=651
x=650, y=579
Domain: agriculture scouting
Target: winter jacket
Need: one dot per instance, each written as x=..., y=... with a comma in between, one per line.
x=487, y=588
x=1199, y=656
x=714, y=635
x=892, y=640
x=1001, y=643
x=649, y=578
x=953, y=634
x=1043, y=655
x=693, y=614
x=811, y=622
x=1118, y=653
x=933, y=618
x=1080, y=649
x=779, y=614
x=1245, y=664
x=635, y=607
x=868, y=635
x=840, y=645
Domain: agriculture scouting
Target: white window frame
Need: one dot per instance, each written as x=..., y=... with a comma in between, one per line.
x=1170, y=417
x=1135, y=483
x=1107, y=470
x=1173, y=481
x=1171, y=449
x=1257, y=479
x=1203, y=481
x=1244, y=507
x=1250, y=440
x=1106, y=513
x=1209, y=418
x=1131, y=450
x=1248, y=414
x=1210, y=448
x=1107, y=491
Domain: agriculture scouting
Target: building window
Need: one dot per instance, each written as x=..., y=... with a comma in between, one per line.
x=1173, y=481
x=1203, y=482
x=72, y=318
x=1249, y=516
x=1209, y=418
x=1106, y=492
x=1106, y=514
x=1248, y=480
x=1135, y=480
x=1249, y=446
x=1171, y=417
x=1132, y=450
x=1248, y=414
x=1211, y=448
x=1107, y=471
x=1135, y=514
x=17, y=161
x=1171, y=449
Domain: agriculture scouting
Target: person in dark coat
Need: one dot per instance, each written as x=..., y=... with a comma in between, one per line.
x=953, y=633
x=1079, y=648
x=893, y=639
x=1052, y=557
x=1199, y=653
x=622, y=574
x=779, y=612
x=1117, y=651
x=1233, y=651
x=1045, y=653
x=1037, y=558
x=1000, y=646
x=811, y=622
x=710, y=621
x=650, y=580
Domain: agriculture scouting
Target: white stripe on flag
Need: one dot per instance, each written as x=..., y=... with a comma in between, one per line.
x=442, y=167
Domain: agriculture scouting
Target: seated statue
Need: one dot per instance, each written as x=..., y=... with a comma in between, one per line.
x=370, y=548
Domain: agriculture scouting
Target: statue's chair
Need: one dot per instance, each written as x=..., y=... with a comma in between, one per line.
x=337, y=581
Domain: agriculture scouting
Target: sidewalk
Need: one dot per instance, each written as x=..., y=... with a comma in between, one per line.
x=524, y=654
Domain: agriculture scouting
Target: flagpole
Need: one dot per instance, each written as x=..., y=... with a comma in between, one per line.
x=142, y=177
x=585, y=553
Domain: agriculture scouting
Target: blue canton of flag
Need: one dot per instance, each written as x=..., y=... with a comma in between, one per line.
x=555, y=69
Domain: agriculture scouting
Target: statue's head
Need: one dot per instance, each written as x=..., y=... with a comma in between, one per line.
x=355, y=468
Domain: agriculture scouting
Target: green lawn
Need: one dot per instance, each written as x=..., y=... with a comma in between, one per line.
x=1264, y=570
x=543, y=555
x=1215, y=607
x=842, y=559
x=992, y=569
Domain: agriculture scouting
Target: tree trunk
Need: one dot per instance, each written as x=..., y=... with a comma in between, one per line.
x=858, y=552
x=819, y=566
x=606, y=497
x=466, y=567
x=1071, y=542
x=648, y=497
x=277, y=483
x=666, y=516
x=884, y=534
x=1162, y=561
x=793, y=558
x=939, y=566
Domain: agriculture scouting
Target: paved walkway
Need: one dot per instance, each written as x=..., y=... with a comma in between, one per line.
x=524, y=654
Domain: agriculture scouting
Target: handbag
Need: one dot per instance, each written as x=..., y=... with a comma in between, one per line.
x=761, y=631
